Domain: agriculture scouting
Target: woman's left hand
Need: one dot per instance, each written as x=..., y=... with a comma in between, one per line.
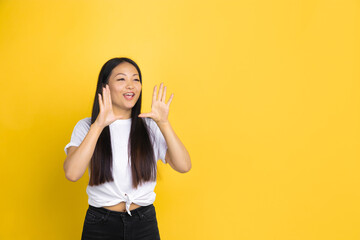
x=159, y=109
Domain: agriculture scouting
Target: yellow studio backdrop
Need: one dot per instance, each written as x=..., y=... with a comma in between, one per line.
x=266, y=100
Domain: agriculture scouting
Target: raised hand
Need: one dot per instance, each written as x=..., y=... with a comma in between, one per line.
x=159, y=109
x=106, y=115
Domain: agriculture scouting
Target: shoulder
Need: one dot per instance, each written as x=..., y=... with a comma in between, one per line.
x=84, y=123
x=151, y=125
x=149, y=121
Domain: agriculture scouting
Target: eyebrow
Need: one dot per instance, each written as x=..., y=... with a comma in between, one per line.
x=125, y=74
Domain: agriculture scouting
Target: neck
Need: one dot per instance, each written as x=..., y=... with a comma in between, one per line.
x=125, y=114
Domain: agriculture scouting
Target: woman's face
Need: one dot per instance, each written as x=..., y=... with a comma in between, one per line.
x=124, y=79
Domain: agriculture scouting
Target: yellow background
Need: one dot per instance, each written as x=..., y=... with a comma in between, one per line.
x=266, y=100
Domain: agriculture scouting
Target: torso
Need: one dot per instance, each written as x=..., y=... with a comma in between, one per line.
x=121, y=207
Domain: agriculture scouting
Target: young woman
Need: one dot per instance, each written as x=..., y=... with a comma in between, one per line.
x=121, y=147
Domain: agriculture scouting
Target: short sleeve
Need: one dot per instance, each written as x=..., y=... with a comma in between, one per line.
x=160, y=146
x=80, y=130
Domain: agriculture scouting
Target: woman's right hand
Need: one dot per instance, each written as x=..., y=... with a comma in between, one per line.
x=106, y=115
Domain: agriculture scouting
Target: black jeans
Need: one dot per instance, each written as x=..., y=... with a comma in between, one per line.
x=102, y=223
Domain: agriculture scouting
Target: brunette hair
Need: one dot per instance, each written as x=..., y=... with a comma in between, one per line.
x=140, y=149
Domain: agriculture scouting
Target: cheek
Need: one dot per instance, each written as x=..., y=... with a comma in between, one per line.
x=116, y=90
x=115, y=97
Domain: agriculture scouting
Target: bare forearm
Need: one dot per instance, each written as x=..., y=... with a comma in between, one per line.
x=178, y=153
x=76, y=163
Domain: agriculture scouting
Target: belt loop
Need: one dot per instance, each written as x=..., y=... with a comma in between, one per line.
x=139, y=213
x=107, y=214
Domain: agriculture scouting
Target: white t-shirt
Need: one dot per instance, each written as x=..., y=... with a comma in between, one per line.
x=121, y=190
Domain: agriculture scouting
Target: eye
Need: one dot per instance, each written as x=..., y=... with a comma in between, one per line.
x=137, y=80
x=121, y=79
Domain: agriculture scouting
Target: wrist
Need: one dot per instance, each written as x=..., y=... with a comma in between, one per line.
x=96, y=128
x=163, y=123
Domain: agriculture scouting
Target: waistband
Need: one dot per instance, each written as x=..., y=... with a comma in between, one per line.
x=116, y=213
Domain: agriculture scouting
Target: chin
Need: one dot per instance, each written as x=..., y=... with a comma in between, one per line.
x=129, y=106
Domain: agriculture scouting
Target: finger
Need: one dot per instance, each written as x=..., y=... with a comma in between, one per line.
x=154, y=94
x=164, y=95
x=100, y=102
x=105, y=97
x=102, y=98
x=144, y=115
x=160, y=91
x=110, y=103
x=171, y=97
x=109, y=93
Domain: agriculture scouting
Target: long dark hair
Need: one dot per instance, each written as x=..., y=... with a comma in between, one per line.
x=141, y=153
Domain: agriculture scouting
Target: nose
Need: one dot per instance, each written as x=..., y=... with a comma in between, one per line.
x=130, y=85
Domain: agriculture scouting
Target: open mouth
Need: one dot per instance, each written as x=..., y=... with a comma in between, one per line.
x=129, y=96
